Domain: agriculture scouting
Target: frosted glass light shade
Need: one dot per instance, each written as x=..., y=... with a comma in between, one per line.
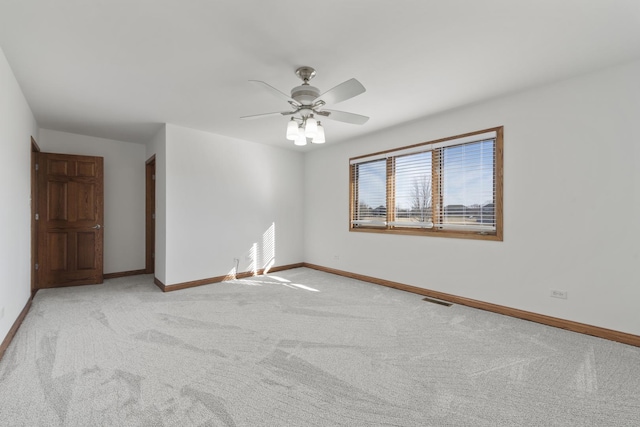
x=292, y=130
x=300, y=138
x=319, y=138
x=310, y=128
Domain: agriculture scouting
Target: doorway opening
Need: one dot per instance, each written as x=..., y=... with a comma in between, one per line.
x=150, y=215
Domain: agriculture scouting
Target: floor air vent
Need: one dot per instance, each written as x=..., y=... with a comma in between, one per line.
x=435, y=301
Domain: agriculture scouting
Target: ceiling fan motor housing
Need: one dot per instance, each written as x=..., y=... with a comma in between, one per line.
x=305, y=94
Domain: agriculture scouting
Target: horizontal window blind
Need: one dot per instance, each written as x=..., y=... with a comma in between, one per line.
x=418, y=148
x=412, y=190
x=448, y=185
x=370, y=187
x=467, y=186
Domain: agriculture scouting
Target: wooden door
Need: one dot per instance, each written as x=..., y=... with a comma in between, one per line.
x=70, y=214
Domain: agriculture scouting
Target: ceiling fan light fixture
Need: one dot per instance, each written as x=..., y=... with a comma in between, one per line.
x=319, y=138
x=307, y=100
x=310, y=127
x=292, y=130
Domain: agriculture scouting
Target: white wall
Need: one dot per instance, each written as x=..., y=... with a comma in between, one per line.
x=570, y=150
x=157, y=147
x=223, y=195
x=17, y=126
x=124, y=193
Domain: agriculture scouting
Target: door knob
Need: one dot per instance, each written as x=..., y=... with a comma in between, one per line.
x=97, y=226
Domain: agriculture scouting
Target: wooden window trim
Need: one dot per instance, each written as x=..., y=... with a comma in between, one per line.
x=437, y=202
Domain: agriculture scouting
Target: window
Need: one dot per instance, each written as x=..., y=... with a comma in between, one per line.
x=451, y=187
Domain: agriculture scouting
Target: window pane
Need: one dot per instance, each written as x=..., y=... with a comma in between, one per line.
x=370, y=207
x=468, y=191
x=413, y=190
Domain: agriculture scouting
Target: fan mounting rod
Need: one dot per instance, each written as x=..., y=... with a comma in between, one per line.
x=306, y=74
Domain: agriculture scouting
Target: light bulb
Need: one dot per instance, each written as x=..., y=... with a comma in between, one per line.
x=319, y=138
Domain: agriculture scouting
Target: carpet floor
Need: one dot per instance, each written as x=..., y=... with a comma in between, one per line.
x=301, y=348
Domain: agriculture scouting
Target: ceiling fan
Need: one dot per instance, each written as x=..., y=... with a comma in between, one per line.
x=307, y=103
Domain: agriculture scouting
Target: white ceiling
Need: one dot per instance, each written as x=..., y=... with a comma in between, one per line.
x=118, y=68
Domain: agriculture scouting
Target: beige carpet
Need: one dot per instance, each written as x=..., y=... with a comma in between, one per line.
x=301, y=348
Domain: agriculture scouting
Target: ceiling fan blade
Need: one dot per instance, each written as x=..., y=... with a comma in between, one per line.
x=343, y=116
x=275, y=92
x=260, y=116
x=342, y=92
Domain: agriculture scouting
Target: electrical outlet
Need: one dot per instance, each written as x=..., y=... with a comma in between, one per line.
x=555, y=293
x=336, y=257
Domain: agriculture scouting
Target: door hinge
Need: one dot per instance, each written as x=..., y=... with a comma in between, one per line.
x=37, y=166
x=37, y=266
x=153, y=216
x=153, y=255
x=37, y=217
x=153, y=177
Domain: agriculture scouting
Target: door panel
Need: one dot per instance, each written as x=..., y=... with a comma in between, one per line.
x=86, y=255
x=58, y=167
x=70, y=200
x=57, y=201
x=58, y=251
x=86, y=202
x=86, y=169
